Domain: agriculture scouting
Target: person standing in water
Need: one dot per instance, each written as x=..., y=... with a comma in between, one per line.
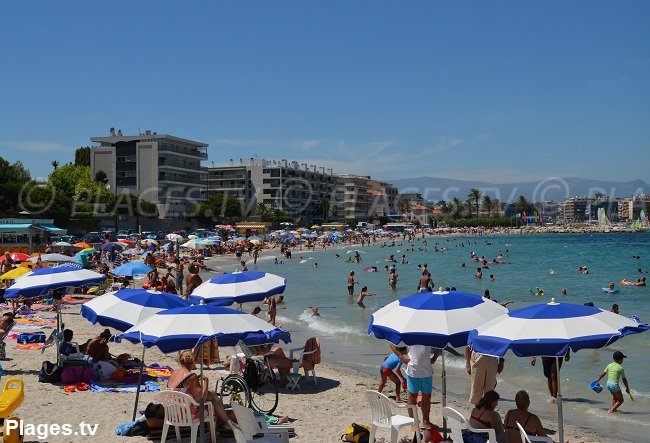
x=364, y=294
x=351, y=283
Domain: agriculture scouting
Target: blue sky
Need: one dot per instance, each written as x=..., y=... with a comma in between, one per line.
x=500, y=91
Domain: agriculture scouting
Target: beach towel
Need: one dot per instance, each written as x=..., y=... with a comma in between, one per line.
x=311, y=360
x=71, y=300
x=156, y=371
x=29, y=347
x=112, y=386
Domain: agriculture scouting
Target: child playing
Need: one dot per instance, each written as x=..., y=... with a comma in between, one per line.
x=615, y=373
x=392, y=364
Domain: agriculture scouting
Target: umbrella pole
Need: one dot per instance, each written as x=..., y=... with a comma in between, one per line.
x=444, y=393
x=137, y=390
x=201, y=403
x=560, y=418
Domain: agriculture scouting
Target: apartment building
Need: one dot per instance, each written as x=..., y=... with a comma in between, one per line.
x=291, y=187
x=629, y=208
x=353, y=198
x=160, y=168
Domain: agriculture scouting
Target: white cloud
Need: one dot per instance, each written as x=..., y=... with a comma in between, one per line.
x=306, y=145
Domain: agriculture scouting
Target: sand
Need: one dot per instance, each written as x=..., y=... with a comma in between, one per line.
x=319, y=413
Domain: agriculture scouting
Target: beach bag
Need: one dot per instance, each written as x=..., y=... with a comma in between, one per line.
x=76, y=374
x=103, y=370
x=254, y=372
x=50, y=373
x=356, y=433
x=31, y=337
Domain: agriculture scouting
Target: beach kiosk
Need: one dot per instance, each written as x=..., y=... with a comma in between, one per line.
x=26, y=235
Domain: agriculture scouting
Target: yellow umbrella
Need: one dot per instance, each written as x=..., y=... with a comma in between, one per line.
x=15, y=273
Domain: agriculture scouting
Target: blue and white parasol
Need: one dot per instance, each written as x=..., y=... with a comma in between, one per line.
x=40, y=281
x=238, y=287
x=188, y=327
x=435, y=319
x=550, y=330
x=125, y=308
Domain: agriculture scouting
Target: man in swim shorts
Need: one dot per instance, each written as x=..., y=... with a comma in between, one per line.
x=550, y=371
x=419, y=377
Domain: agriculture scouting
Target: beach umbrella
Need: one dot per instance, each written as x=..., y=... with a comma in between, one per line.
x=194, y=244
x=186, y=328
x=174, y=237
x=86, y=250
x=238, y=287
x=54, y=258
x=123, y=309
x=82, y=245
x=132, y=268
x=15, y=273
x=61, y=243
x=126, y=241
x=436, y=319
x=192, y=236
x=550, y=330
x=16, y=256
x=40, y=281
x=111, y=247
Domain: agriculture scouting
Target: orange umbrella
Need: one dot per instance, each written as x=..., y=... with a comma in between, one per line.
x=82, y=245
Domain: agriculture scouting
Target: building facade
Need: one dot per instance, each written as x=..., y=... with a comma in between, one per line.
x=629, y=208
x=291, y=187
x=160, y=168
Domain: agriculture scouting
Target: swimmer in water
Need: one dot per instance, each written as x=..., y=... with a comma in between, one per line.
x=364, y=294
x=314, y=311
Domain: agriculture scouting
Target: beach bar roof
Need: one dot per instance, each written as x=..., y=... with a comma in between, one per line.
x=24, y=226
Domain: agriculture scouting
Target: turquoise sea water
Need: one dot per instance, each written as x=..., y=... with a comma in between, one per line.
x=546, y=261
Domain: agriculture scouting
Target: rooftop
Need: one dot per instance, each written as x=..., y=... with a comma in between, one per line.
x=112, y=139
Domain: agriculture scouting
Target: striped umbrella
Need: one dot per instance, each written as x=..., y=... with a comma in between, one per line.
x=436, y=319
x=550, y=330
x=40, y=281
x=238, y=287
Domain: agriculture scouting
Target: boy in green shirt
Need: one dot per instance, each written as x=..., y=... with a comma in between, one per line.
x=615, y=373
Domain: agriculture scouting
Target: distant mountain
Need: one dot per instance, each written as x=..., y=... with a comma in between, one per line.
x=557, y=189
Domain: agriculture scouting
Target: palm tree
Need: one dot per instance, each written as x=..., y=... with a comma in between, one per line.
x=496, y=206
x=487, y=204
x=403, y=207
x=264, y=210
x=523, y=205
x=457, y=207
x=325, y=208
x=474, y=196
x=55, y=164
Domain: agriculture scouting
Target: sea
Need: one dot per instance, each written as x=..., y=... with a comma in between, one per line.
x=547, y=261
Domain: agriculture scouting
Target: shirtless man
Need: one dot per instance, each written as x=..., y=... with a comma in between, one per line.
x=425, y=281
x=351, y=283
x=192, y=280
x=364, y=294
x=392, y=278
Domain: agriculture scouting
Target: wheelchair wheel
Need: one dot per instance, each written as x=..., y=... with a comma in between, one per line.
x=235, y=390
x=264, y=397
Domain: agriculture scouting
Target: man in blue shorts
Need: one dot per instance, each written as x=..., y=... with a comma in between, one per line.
x=419, y=377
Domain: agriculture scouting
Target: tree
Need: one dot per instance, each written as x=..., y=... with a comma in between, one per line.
x=474, y=196
x=523, y=205
x=264, y=210
x=101, y=177
x=325, y=208
x=403, y=206
x=82, y=156
x=496, y=207
x=46, y=202
x=457, y=207
x=55, y=164
x=13, y=177
x=217, y=207
x=487, y=204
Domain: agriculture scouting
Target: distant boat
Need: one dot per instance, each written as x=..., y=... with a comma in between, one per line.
x=641, y=224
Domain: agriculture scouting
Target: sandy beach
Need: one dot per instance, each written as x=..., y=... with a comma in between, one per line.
x=319, y=413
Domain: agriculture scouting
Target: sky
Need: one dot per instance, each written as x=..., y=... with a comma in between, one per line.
x=498, y=91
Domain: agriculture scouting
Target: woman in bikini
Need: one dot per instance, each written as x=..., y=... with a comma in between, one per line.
x=184, y=380
x=484, y=416
x=529, y=421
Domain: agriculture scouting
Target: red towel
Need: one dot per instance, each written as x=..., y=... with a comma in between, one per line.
x=311, y=360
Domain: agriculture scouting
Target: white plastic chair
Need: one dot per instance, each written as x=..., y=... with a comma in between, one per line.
x=301, y=357
x=455, y=422
x=525, y=438
x=381, y=413
x=178, y=412
x=241, y=438
x=250, y=427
